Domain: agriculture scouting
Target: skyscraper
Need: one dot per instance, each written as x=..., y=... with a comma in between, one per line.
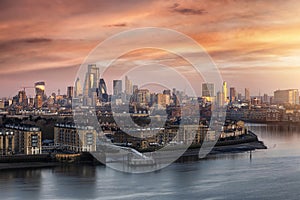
x=128, y=86
x=232, y=94
x=290, y=96
x=102, y=91
x=70, y=91
x=220, y=99
x=77, y=88
x=224, y=91
x=247, y=94
x=117, y=87
x=39, y=93
x=208, y=90
x=91, y=80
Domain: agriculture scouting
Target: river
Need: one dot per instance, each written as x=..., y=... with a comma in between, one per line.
x=270, y=174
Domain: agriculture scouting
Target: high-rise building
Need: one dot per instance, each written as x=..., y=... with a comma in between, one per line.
x=266, y=98
x=22, y=98
x=91, y=80
x=143, y=96
x=128, y=86
x=232, y=94
x=208, y=90
x=247, y=94
x=135, y=88
x=290, y=96
x=39, y=94
x=102, y=91
x=239, y=96
x=220, y=99
x=70, y=91
x=163, y=99
x=224, y=91
x=77, y=88
x=117, y=87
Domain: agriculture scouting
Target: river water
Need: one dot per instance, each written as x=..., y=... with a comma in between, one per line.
x=270, y=174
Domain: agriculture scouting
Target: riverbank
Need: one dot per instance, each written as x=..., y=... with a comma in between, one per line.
x=244, y=144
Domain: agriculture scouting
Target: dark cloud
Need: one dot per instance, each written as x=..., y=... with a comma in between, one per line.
x=116, y=25
x=38, y=40
x=186, y=11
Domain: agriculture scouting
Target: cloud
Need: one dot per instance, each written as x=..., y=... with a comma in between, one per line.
x=37, y=40
x=186, y=11
x=116, y=25
x=189, y=11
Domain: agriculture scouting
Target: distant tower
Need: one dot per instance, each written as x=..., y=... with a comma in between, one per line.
x=224, y=91
x=128, y=86
x=77, y=88
x=232, y=94
x=117, y=87
x=208, y=90
x=220, y=99
x=102, y=91
x=39, y=93
x=91, y=80
x=247, y=94
x=70, y=91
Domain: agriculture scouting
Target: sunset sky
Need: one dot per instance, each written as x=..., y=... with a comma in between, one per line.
x=255, y=44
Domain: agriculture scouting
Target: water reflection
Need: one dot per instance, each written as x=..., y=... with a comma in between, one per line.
x=272, y=174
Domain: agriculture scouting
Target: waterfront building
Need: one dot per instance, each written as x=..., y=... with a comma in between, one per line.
x=7, y=142
x=27, y=139
x=290, y=96
x=74, y=138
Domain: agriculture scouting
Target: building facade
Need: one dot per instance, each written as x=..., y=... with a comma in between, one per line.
x=70, y=137
x=21, y=139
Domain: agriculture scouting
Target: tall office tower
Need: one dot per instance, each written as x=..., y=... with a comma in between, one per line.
x=239, y=96
x=266, y=98
x=70, y=91
x=290, y=96
x=117, y=87
x=247, y=94
x=143, y=96
x=39, y=94
x=220, y=99
x=102, y=91
x=208, y=90
x=224, y=91
x=22, y=98
x=135, y=88
x=128, y=86
x=91, y=80
x=163, y=99
x=232, y=94
x=77, y=88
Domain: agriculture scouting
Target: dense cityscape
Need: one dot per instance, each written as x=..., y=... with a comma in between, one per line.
x=48, y=120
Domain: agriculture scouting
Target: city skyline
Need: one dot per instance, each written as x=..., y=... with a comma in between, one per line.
x=251, y=48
